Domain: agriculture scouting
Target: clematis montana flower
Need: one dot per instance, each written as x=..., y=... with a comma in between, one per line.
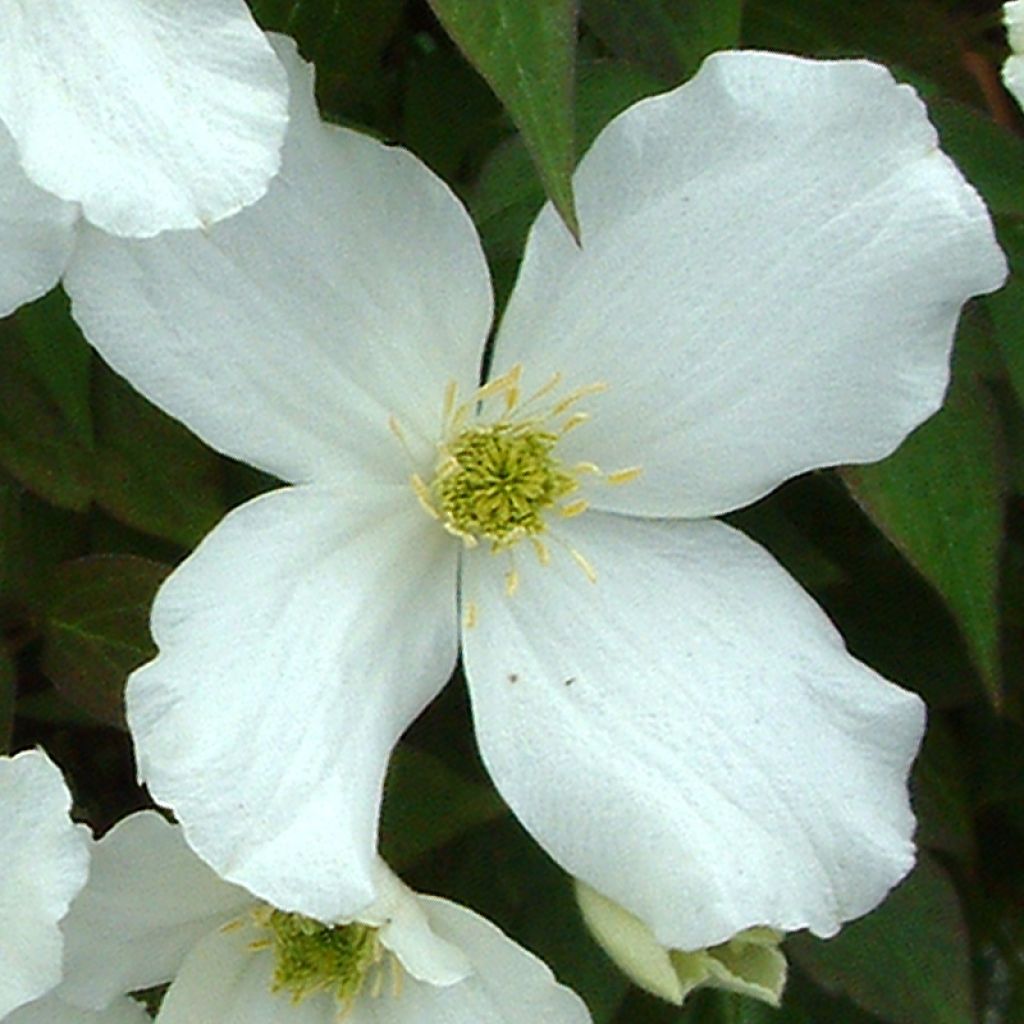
x=1013, y=67
x=773, y=261
x=137, y=115
x=45, y=860
x=154, y=913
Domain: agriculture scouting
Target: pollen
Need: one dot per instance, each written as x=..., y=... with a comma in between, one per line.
x=311, y=957
x=497, y=481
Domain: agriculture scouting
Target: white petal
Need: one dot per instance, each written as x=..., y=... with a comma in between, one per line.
x=508, y=985
x=689, y=735
x=1013, y=19
x=52, y=1010
x=150, y=117
x=45, y=860
x=149, y=899
x=224, y=981
x=289, y=334
x=405, y=930
x=1013, y=76
x=774, y=257
x=36, y=233
x=296, y=644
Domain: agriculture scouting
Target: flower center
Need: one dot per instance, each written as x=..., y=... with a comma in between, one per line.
x=496, y=481
x=311, y=957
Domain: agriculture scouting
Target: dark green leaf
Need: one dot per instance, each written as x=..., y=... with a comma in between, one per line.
x=7, y=681
x=913, y=33
x=97, y=629
x=61, y=360
x=39, y=445
x=908, y=961
x=989, y=155
x=525, y=49
x=427, y=806
x=150, y=472
x=669, y=37
x=507, y=196
x=939, y=499
x=940, y=795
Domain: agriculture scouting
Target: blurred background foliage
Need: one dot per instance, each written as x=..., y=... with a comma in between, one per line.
x=920, y=559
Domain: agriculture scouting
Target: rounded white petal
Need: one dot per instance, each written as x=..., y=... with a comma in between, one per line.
x=508, y=985
x=689, y=735
x=405, y=930
x=53, y=1010
x=37, y=231
x=151, y=114
x=1013, y=19
x=774, y=257
x=45, y=860
x=1013, y=76
x=296, y=644
x=149, y=899
x=288, y=335
x=224, y=981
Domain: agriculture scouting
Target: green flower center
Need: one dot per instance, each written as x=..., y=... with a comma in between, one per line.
x=496, y=481
x=311, y=957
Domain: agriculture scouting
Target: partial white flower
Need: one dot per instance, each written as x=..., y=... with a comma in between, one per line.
x=154, y=913
x=45, y=859
x=1013, y=66
x=138, y=115
x=774, y=258
x=751, y=963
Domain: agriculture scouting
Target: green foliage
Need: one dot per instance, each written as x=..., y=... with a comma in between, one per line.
x=525, y=50
x=97, y=630
x=669, y=37
x=939, y=499
x=907, y=962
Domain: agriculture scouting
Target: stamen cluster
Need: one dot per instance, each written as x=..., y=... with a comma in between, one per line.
x=311, y=957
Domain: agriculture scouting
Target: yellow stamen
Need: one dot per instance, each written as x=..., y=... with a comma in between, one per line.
x=624, y=476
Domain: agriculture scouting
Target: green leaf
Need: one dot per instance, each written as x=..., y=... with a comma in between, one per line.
x=525, y=49
x=916, y=34
x=427, y=806
x=39, y=445
x=97, y=629
x=7, y=682
x=60, y=359
x=668, y=37
x=508, y=197
x=908, y=961
x=151, y=473
x=940, y=795
x=939, y=499
x=989, y=155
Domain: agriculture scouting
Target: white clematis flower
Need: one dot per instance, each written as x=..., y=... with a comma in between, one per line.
x=774, y=258
x=154, y=913
x=45, y=859
x=1013, y=66
x=139, y=115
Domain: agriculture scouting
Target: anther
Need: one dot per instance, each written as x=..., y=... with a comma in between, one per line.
x=574, y=508
x=624, y=476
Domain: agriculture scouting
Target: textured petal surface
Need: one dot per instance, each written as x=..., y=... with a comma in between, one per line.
x=52, y=1010
x=45, y=861
x=149, y=899
x=289, y=334
x=223, y=981
x=774, y=257
x=405, y=931
x=36, y=233
x=296, y=644
x=689, y=735
x=151, y=114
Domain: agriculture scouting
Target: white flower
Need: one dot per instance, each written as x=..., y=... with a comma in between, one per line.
x=1013, y=67
x=45, y=860
x=774, y=257
x=750, y=963
x=135, y=115
x=153, y=913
